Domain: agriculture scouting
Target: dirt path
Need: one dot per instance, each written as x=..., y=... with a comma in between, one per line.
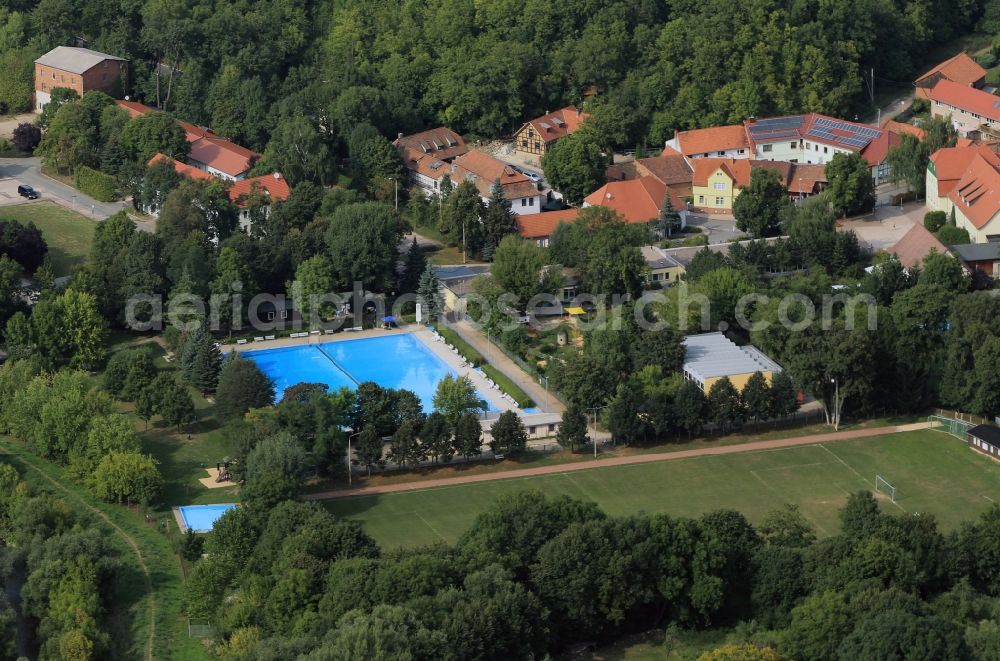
x=623, y=461
x=131, y=542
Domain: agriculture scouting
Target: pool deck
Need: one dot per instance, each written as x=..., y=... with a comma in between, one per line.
x=440, y=349
x=179, y=519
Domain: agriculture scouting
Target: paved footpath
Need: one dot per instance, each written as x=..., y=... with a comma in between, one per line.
x=624, y=461
x=544, y=400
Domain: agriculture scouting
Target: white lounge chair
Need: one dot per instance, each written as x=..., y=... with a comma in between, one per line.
x=268, y=337
x=241, y=341
x=258, y=339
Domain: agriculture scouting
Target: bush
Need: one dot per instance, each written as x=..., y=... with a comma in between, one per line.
x=96, y=184
x=920, y=106
x=26, y=136
x=987, y=60
x=953, y=236
x=934, y=220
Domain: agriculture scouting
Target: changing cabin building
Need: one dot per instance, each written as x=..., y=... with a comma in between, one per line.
x=985, y=439
x=711, y=356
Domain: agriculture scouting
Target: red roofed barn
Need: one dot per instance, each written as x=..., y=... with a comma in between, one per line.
x=961, y=69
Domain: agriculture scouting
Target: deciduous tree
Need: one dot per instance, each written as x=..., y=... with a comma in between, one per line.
x=508, y=435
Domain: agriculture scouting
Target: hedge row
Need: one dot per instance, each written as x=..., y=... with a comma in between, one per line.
x=96, y=184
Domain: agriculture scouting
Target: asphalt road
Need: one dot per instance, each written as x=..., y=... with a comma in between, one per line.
x=717, y=229
x=28, y=171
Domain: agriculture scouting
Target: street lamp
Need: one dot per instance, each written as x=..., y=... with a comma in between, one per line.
x=350, y=469
x=595, y=410
x=395, y=192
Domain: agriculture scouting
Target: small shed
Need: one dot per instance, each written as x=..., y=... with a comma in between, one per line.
x=985, y=439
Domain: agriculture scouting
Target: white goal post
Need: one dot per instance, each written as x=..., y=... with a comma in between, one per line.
x=881, y=484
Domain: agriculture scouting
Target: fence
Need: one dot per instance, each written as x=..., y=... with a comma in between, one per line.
x=964, y=417
x=203, y=630
x=957, y=427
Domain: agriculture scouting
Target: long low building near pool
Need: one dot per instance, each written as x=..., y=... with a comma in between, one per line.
x=711, y=356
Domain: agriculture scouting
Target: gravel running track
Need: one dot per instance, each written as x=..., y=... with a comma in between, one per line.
x=623, y=461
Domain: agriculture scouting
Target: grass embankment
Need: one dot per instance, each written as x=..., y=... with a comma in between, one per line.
x=475, y=358
x=148, y=623
x=68, y=234
x=924, y=467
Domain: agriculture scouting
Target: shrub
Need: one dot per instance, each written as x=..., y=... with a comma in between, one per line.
x=933, y=220
x=987, y=60
x=95, y=183
x=953, y=236
x=26, y=136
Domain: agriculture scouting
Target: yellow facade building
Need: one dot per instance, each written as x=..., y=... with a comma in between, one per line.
x=712, y=356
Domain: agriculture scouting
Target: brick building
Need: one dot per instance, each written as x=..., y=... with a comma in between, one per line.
x=79, y=69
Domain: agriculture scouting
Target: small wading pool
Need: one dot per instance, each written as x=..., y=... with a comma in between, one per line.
x=392, y=361
x=201, y=518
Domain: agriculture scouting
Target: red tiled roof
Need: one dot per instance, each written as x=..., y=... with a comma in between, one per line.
x=903, y=127
x=977, y=193
x=876, y=150
x=950, y=163
x=636, y=200
x=182, y=168
x=223, y=155
x=541, y=225
x=134, y=108
x=711, y=140
x=916, y=244
x=670, y=167
x=967, y=98
x=483, y=170
x=737, y=169
x=441, y=143
x=805, y=177
x=554, y=125
x=960, y=69
x=274, y=186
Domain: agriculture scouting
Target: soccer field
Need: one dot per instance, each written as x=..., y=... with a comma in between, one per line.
x=932, y=472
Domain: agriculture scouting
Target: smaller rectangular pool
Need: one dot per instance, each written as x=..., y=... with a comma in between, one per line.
x=201, y=518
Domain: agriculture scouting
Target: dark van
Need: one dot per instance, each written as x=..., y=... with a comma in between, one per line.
x=28, y=192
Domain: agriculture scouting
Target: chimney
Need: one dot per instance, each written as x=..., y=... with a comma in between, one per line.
x=399, y=136
x=277, y=176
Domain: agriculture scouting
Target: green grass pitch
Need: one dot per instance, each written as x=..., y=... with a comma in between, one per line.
x=933, y=473
x=68, y=234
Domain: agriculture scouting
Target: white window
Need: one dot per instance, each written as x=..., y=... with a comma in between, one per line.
x=719, y=185
x=284, y=314
x=825, y=150
x=701, y=199
x=766, y=148
x=531, y=201
x=524, y=202
x=742, y=151
x=721, y=153
x=719, y=201
x=793, y=145
x=270, y=316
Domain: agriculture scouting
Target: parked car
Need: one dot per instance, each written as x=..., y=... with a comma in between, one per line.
x=531, y=175
x=27, y=191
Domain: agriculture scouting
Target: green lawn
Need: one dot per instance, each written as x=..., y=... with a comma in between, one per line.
x=933, y=473
x=67, y=233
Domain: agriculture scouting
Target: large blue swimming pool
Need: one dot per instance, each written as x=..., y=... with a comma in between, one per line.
x=201, y=518
x=392, y=361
